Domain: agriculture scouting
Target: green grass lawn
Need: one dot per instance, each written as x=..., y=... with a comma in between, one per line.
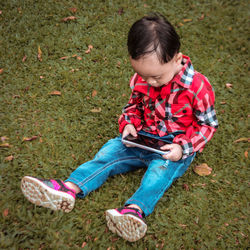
x=69, y=128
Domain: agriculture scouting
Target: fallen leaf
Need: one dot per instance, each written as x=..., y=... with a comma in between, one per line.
x=246, y=154
x=90, y=47
x=187, y=20
x=185, y=186
x=1, y=71
x=202, y=17
x=96, y=110
x=24, y=58
x=4, y=138
x=69, y=18
x=5, y=212
x=94, y=93
x=73, y=10
x=5, y=145
x=64, y=57
x=229, y=85
x=41, y=77
x=84, y=244
x=75, y=55
x=56, y=92
x=222, y=103
x=202, y=169
x=9, y=158
x=30, y=138
x=1, y=12
x=79, y=58
x=183, y=225
x=244, y=139
x=39, y=54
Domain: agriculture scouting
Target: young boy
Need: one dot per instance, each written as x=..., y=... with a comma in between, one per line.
x=169, y=101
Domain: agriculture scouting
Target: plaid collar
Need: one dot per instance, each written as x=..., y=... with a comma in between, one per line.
x=185, y=76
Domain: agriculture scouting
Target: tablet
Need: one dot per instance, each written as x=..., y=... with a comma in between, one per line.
x=146, y=142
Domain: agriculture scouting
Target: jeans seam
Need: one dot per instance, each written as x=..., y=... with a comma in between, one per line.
x=89, y=178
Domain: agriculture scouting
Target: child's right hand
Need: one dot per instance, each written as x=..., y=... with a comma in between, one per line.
x=129, y=129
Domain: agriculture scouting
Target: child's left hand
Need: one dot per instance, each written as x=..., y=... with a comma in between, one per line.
x=175, y=153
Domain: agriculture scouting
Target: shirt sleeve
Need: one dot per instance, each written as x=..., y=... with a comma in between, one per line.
x=206, y=121
x=132, y=112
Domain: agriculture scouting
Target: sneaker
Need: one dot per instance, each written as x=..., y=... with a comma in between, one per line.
x=51, y=194
x=127, y=222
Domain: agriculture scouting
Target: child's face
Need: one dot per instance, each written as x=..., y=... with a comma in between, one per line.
x=154, y=72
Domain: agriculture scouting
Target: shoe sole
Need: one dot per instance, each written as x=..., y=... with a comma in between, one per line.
x=126, y=226
x=41, y=195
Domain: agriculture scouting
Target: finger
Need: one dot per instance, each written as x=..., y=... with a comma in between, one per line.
x=167, y=147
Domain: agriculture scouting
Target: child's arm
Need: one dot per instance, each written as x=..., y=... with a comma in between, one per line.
x=203, y=108
x=132, y=112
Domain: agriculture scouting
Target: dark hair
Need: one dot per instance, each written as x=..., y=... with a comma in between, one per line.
x=153, y=33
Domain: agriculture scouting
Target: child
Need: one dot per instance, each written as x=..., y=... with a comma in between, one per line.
x=170, y=101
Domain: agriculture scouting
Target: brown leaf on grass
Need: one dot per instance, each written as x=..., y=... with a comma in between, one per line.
x=120, y=11
x=90, y=47
x=246, y=154
x=30, y=138
x=56, y=93
x=5, y=145
x=222, y=103
x=24, y=58
x=94, y=93
x=73, y=10
x=187, y=20
x=5, y=212
x=229, y=85
x=203, y=169
x=69, y=18
x=96, y=110
x=84, y=244
x=64, y=57
x=185, y=186
x=79, y=58
x=9, y=158
x=244, y=139
x=1, y=71
x=1, y=12
x=202, y=17
x=39, y=54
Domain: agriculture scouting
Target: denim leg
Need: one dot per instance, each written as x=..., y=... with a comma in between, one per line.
x=113, y=158
x=158, y=178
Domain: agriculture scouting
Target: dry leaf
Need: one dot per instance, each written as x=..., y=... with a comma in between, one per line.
x=202, y=17
x=39, y=54
x=64, y=57
x=1, y=71
x=24, y=58
x=246, y=154
x=202, y=169
x=94, y=93
x=84, y=244
x=79, y=58
x=5, y=145
x=90, y=47
x=9, y=158
x=229, y=85
x=41, y=77
x=30, y=138
x=73, y=10
x=187, y=20
x=5, y=212
x=185, y=186
x=69, y=18
x=222, y=103
x=56, y=92
x=96, y=110
x=244, y=139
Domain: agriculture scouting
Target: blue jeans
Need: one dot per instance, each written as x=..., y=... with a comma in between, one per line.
x=115, y=158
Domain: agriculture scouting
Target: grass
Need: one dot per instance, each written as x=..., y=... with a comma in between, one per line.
x=71, y=127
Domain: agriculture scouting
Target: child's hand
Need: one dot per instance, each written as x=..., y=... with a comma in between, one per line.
x=175, y=153
x=129, y=130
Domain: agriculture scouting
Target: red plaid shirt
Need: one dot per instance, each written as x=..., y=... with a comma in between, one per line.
x=184, y=106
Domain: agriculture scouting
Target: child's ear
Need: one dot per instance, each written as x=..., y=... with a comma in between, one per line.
x=178, y=58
